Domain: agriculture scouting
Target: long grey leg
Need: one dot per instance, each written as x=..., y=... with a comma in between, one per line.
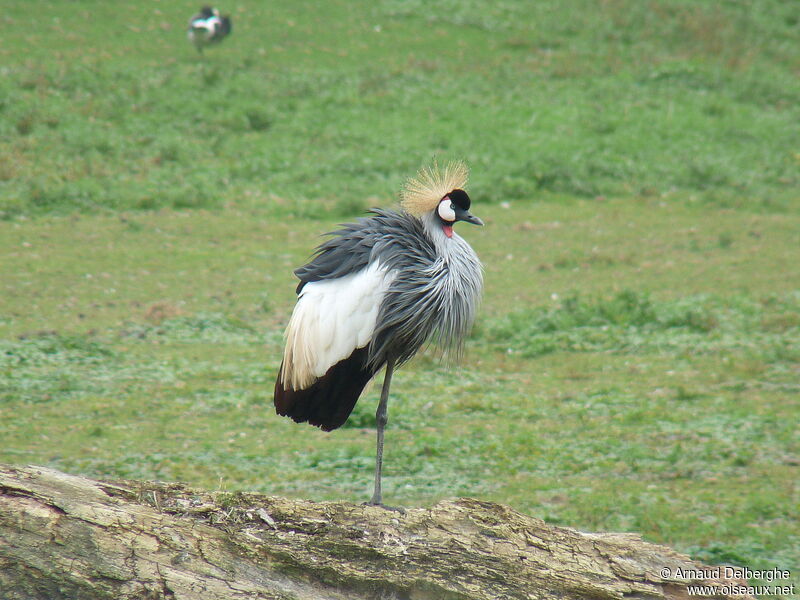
x=381, y=418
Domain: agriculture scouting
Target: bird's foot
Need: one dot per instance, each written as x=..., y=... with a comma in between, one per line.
x=397, y=509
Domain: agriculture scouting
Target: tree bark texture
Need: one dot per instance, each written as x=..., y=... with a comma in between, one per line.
x=68, y=537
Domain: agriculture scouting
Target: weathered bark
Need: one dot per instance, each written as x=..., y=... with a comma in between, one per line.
x=71, y=537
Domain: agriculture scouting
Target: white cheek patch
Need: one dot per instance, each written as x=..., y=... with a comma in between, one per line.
x=446, y=211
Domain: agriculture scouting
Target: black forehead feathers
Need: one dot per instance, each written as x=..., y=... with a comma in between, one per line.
x=460, y=198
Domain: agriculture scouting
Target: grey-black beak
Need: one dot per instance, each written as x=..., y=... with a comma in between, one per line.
x=466, y=216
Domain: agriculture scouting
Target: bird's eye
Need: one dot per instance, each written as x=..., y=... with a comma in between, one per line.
x=452, y=207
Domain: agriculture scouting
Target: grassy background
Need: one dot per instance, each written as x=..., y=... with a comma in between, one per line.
x=635, y=365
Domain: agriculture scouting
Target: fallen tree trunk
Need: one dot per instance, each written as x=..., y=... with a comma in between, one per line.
x=71, y=537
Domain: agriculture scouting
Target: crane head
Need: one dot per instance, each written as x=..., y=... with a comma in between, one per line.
x=453, y=207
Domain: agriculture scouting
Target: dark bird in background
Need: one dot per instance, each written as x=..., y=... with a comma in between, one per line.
x=208, y=27
x=372, y=295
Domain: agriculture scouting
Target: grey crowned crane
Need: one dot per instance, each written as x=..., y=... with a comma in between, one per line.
x=372, y=295
x=208, y=27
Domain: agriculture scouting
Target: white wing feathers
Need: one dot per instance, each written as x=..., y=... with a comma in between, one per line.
x=332, y=318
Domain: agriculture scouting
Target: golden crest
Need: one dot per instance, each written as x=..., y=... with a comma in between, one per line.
x=422, y=193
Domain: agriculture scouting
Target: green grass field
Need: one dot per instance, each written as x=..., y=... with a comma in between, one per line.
x=636, y=362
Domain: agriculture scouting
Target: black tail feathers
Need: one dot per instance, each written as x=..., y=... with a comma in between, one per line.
x=330, y=400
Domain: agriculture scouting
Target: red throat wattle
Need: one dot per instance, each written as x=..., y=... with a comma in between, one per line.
x=448, y=230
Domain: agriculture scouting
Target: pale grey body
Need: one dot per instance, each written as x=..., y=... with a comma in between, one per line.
x=435, y=289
